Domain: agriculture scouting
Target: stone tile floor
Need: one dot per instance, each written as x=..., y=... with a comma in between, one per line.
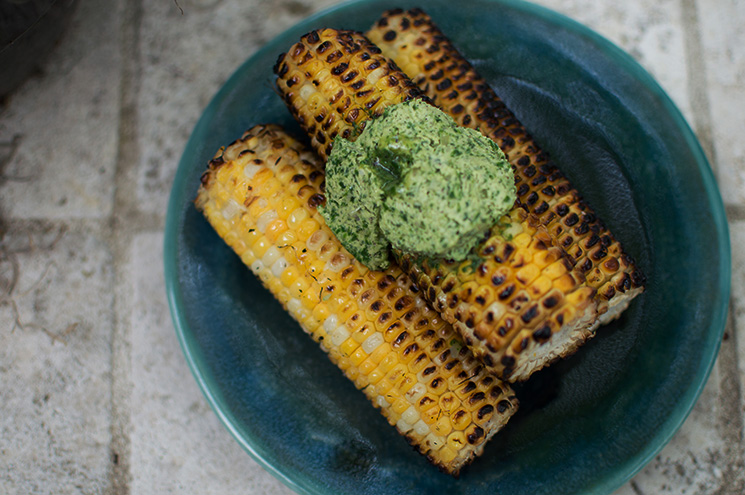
x=88, y=149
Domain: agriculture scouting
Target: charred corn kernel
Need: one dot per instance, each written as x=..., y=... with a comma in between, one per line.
x=414, y=43
x=408, y=381
x=456, y=440
x=333, y=81
x=306, y=278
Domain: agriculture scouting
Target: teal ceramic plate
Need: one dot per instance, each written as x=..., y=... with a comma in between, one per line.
x=586, y=424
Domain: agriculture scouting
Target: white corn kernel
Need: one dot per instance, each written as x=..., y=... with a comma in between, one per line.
x=256, y=266
x=421, y=428
x=372, y=342
x=271, y=256
x=294, y=305
x=339, y=335
x=416, y=392
x=337, y=262
x=434, y=441
x=403, y=426
x=375, y=75
x=279, y=266
x=411, y=415
x=250, y=170
x=231, y=209
x=264, y=220
x=330, y=323
x=306, y=91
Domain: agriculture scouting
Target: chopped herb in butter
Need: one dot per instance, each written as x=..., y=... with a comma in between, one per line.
x=416, y=181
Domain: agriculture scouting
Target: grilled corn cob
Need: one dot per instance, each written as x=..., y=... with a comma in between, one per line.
x=518, y=293
x=425, y=54
x=512, y=332
x=334, y=81
x=260, y=194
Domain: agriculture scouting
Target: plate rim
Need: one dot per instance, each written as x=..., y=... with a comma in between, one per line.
x=673, y=422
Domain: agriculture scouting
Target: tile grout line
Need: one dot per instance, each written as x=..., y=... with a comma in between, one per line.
x=729, y=420
x=120, y=227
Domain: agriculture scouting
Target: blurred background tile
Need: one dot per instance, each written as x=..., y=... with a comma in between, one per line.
x=61, y=126
x=178, y=445
x=55, y=360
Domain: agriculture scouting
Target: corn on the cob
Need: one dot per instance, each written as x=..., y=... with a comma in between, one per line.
x=260, y=194
x=518, y=293
x=424, y=53
x=514, y=344
x=334, y=81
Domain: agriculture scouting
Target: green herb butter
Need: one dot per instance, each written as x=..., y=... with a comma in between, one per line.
x=416, y=181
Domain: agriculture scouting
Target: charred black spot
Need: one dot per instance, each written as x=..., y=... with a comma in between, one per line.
x=507, y=292
x=484, y=411
x=571, y=219
x=531, y=313
x=550, y=302
x=316, y=200
x=444, y=84
x=582, y=229
x=401, y=338
x=470, y=387
x=477, y=397
x=538, y=180
x=599, y=254
x=541, y=208
x=594, y=239
x=503, y=405
x=542, y=333
x=411, y=348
